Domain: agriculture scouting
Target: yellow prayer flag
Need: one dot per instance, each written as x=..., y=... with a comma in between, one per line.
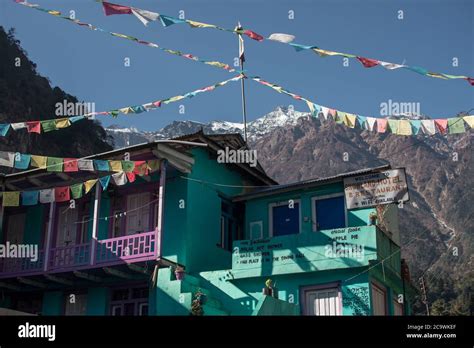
x=174, y=99
x=62, y=122
x=469, y=120
x=38, y=161
x=11, y=199
x=115, y=166
x=349, y=120
x=200, y=25
x=89, y=184
x=404, y=127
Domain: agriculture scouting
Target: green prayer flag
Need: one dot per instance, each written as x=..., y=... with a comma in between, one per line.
x=54, y=164
x=340, y=117
x=456, y=125
x=48, y=125
x=76, y=190
x=393, y=125
x=128, y=166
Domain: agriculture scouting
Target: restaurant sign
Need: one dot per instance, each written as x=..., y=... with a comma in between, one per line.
x=373, y=189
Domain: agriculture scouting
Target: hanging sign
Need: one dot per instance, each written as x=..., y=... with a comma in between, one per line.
x=369, y=190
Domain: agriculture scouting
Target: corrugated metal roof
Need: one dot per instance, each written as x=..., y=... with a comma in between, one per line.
x=306, y=183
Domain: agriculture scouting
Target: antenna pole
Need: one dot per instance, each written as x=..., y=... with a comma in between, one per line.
x=242, y=81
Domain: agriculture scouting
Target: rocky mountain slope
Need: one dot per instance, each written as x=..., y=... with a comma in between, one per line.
x=437, y=224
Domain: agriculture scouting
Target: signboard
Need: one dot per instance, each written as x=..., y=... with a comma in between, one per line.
x=304, y=252
x=369, y=190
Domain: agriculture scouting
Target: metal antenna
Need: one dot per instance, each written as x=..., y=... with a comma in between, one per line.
x=242, y=81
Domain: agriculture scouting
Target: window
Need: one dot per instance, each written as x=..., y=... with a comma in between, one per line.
x=129, y=301
x=230, y=228
x=285, y=218
x=379, y=300
x=322, y=301
x=329, y=212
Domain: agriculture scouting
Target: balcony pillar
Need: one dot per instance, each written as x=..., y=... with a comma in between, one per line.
x=95, y=222
x=49, y=234
x=161, y=207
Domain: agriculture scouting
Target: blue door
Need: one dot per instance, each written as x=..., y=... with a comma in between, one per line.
x=330, y=213
x=286, y=220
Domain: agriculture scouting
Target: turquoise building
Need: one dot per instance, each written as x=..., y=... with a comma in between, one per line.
x=200, y=235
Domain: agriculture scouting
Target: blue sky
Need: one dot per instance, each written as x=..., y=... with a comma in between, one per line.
x=90, y=65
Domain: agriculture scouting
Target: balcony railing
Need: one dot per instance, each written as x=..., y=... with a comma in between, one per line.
x=112, y=251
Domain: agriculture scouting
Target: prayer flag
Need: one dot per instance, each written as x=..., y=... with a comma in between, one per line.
x=381, y=125
x=29, y=197
x=61, y=194
x=119, y=178
x=46, y=196
x=428, y=127
x=54, y=164
x=104, y=182
x=113, y=9
x=85, y=164
x=22, y=161
x=404, y=127
x=101, y=165
x=76, y=190
x=115, y=166
x=442, y=125
x=4, y=129
x=11, y=199
x=70, y=165
x=7, y=159
x=48, y=125
x=367, y=62
x=456, y=125
x=34, y=127
x=89, y=184
x=393, y=125
x=38, y=161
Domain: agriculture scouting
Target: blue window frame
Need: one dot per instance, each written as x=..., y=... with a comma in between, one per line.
x=285, y=219
x=329, y=213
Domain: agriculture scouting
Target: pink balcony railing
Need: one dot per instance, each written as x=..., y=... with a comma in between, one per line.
x=62, y=258
x=133, y=248
x=22, y=266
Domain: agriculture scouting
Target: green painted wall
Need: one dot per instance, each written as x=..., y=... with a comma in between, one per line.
x=98, y=301
x=175, y=233
x=241, y=296
x=34, y=224
x=204, y=210
x=53, y=303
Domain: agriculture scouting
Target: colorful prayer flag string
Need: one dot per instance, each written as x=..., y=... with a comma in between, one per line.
x=146, y=16
x=74, y=191
x=58, y=14
x=454, y=125
x=60, y=123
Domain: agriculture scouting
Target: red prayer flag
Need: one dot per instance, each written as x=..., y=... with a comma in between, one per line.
x=61, y=194
x=112, y=9
x=157, y=103
x=253, y=35
x=70, y=165
x=130, y=176
x=442, y=125
x=33, y=127
x=381, y=125
x=470, y=80
x=367, y=62
x=141, y=168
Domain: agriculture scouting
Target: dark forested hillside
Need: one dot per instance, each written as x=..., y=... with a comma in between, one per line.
x=25, y=96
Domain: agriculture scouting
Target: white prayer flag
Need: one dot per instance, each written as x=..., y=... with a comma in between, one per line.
x=285, y=38
x=428, y=127
x=83, y=164
x=46, y=196
x=7, y=159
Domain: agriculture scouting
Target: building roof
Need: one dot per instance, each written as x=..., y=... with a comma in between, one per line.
x=176, y=151
x=268, y=191
x=234, y=141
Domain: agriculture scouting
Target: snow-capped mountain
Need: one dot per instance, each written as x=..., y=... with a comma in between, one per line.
x=281, y=116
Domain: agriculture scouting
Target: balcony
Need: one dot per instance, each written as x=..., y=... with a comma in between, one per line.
x=310, y=251
x=108, y=252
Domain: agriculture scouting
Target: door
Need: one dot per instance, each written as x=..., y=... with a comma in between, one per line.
x=15, y=228
x=379, y=300
x=285, y=220
x=330, y=213
x=138, y=213
x=67, y=227
x=322, y=302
